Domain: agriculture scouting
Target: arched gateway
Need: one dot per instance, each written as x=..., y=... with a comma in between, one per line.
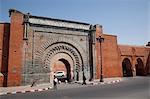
x=66, y=53
x=55, y=45
x=57, y=52
x=139, y=67
x=127, y=68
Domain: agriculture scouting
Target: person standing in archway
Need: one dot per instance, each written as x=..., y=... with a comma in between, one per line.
x=84, y=80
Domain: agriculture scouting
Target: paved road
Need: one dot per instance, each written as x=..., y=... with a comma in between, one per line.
x=129, y=88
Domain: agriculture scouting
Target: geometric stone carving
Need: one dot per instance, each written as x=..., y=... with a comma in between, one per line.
x=63, y=48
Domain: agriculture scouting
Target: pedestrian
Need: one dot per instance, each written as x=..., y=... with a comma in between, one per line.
x=84, y=80
x=34, y=83
x=55, y=81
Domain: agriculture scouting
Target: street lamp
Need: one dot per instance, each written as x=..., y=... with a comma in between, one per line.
x=100, y=40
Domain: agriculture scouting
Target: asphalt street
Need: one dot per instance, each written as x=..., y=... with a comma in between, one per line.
x=129, y=88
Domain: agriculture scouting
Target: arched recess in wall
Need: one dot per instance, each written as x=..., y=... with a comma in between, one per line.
x=67, y=49
x=139, y=67
x=127, y=68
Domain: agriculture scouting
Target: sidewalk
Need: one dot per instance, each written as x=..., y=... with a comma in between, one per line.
x=47, y=86
x=24, y=89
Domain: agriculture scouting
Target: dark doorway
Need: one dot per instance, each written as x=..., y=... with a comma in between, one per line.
x=68, y=68
x=139, y=68
x=127, y=68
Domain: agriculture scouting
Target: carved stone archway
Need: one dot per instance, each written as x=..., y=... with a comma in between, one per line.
x=66, y=65
x=67, y=50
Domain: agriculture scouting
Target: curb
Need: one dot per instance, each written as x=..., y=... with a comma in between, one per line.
x=26, y=91
x=103, y=83
x=110, y=82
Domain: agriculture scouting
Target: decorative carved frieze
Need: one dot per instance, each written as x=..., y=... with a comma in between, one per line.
x=59, y=23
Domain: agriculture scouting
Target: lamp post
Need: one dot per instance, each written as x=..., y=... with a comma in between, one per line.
x=100, y=40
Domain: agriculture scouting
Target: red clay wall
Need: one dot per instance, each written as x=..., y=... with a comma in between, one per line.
x=1, y=43
x=15, y=49
x=133, y=53
x=148, y=65
x=147, y=68
x=4, y=49
x=1, y=46
x=110, y=55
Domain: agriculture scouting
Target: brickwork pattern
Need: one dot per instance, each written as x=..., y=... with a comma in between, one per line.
x=4, y=52
x=15, y=49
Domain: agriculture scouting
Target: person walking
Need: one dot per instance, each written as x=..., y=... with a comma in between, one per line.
x=55, y=81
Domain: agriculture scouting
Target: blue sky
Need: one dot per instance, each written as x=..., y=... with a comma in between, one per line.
x=128, y=19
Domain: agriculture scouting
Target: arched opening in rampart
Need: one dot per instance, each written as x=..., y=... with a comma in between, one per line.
x=139, y=67
x=127, y=68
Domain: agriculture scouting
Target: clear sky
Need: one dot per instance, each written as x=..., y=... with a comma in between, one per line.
x=128, y=19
